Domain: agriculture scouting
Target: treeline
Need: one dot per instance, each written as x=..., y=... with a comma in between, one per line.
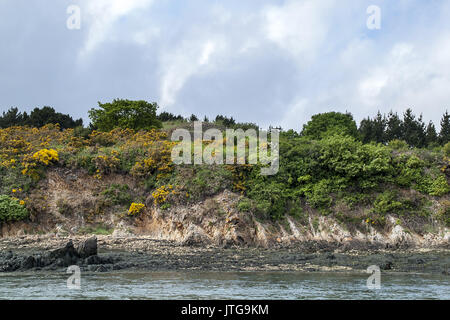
x=380, y=129
x=411, y=129
x=225, y=121
x=38, y=118
x=143, y=115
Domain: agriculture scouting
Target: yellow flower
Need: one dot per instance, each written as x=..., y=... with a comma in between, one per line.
x=135, y=208
x=22, y=203
x=14, y=190
x=45, y=156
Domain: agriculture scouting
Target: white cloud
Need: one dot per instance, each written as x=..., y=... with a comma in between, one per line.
x=299, y=27
x=102, y=15
x=263, y=61
x=183, y=62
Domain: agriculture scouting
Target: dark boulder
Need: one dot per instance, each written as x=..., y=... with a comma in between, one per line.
x=65, y=256
x=28, y=263
x=88, y=248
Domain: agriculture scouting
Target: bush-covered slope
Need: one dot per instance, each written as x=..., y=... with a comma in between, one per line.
x=337, y=176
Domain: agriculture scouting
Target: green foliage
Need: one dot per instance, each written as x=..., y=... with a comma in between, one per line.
x=38, y=118
x=330, y=123
x=13, y=178
x=397, y=144
x=167, y=116
x=444, y=134
x=444, y=213
x=410, y=129
x=202, y=181
x=387, y=203
x=447, y=149
x=165, y=206
x=117, y=194
x=244, y=205
x=373, y=130
x=439, y=187
x=126, y=114
x=11, y=209
x=97, y=230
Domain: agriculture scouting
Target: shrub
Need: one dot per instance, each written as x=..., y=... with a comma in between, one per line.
x=107, y=164
x=161, y=194
x=439, y=187
x=398, y=144
x=244, y=205
x=117, y=194
x=135, y=209
x=46, y=156
x=12, y=209
x=387, y=203
x=447, y=149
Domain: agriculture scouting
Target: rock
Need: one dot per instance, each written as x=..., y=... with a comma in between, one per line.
x=387, y=265
x=100, y=268
x=195, y=236
x=71, y=178
x=9, y=255
x=93, y=260
x=88, y=248
x=28, y=263
x=67, y=254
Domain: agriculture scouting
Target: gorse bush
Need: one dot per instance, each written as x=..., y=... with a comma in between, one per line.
x=135, y=208
x=12, y=209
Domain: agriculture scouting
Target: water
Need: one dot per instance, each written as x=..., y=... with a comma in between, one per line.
x=232, y=285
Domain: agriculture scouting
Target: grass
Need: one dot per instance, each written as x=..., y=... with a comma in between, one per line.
x=96, y=230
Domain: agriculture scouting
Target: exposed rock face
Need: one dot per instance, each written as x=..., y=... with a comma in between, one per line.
x=88, y=248
x=214, y=221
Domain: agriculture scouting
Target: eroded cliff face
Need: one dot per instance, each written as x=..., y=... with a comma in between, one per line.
x=67, y=202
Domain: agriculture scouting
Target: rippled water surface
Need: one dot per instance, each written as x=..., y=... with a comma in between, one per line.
x=208, y=285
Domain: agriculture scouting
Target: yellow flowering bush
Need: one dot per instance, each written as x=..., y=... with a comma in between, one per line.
x=161, y=194
x=106, y=164
x=135, y=208
x=46, y=156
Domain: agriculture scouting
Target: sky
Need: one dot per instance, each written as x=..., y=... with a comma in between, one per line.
x=270, y=62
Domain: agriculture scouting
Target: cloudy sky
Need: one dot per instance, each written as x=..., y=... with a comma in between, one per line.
x=272, y=62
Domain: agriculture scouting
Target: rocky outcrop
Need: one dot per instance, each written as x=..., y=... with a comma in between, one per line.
x=84, y=255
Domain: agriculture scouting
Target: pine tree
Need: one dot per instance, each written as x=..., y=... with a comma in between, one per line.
x=394, y=127
x=379, y=125
x=414, y=130
x=431, y=135
x=444, y=135
x=366, y=130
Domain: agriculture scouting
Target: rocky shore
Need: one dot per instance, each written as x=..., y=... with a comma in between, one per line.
x=106, y=253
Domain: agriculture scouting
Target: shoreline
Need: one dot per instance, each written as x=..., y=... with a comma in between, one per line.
x=49, y=253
